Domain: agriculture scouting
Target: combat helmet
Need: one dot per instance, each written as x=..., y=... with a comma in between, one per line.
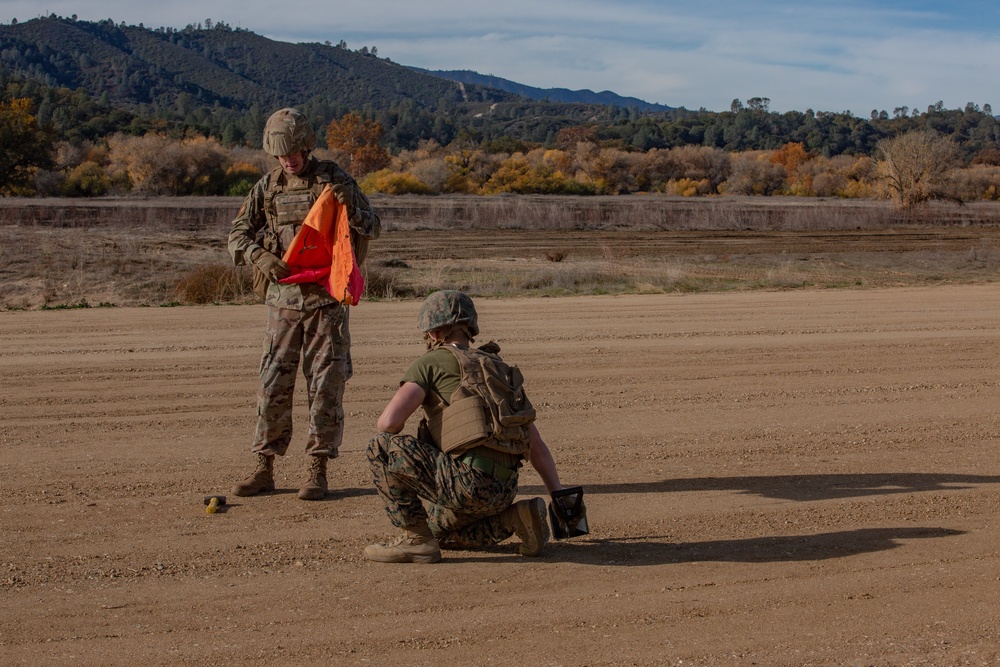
x=448, y=307
x=288, y=131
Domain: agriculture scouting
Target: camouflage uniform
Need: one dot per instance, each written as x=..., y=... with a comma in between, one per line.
x=303, y=319
x=464, y=503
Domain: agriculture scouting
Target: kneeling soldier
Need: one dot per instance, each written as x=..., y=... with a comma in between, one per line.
x=477, y=430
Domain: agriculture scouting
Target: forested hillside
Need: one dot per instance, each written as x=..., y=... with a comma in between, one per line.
x=217, y=79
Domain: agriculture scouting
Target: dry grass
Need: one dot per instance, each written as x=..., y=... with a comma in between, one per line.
x=686, y=274
x=107, y=252
x=73, y=253
x=215, y=283
x=667, y=213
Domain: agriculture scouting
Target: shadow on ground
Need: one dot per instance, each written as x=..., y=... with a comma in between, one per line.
x=646, y=550
x=799, y=487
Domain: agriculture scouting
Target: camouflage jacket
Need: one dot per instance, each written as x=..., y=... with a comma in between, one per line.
x=273, y=212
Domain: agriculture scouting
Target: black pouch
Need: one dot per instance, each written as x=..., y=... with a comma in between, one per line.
x=568, y=514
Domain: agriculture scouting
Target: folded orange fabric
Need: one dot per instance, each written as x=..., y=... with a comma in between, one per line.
x=321, y=251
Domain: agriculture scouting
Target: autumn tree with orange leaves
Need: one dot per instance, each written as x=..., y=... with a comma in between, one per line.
x=361, y=140
x=792, y=156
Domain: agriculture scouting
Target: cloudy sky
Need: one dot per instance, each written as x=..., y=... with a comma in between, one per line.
x=848, y=55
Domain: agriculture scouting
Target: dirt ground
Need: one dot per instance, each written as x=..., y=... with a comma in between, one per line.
x=772, y=478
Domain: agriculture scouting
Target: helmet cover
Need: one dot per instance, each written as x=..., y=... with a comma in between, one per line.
x=447, y=307
x=288, y=131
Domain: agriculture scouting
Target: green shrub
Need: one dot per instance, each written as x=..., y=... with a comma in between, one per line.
x=240, y=179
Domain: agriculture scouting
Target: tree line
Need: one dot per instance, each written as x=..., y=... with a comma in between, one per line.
x=917, y=165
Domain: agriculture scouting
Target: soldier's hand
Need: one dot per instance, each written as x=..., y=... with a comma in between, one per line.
x=345, y=195
x=271, y=266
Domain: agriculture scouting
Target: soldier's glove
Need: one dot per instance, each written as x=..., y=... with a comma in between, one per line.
x=345, y=195
x=272, y=267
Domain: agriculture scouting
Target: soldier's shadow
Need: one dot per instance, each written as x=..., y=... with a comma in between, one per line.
x=651, y=550
x=657, y=550
x=783, y=548
x=801, y=488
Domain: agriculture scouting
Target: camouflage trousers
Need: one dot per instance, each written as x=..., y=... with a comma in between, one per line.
x=320, y=338
x=463, y=503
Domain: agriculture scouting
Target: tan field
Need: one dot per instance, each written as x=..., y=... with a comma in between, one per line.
x=793, y=478
x=168, y=251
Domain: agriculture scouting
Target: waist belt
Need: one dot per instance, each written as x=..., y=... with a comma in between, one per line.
x=483, y=464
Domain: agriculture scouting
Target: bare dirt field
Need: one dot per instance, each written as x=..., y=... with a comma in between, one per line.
x=802, y=477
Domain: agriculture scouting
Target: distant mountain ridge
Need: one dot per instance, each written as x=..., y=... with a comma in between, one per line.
x=553, y=94
x=231, y=68
x=236, y=69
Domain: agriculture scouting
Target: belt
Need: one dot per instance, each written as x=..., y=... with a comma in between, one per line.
x=483, y=464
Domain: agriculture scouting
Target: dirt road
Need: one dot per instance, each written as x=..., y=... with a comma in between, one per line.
x=773, y=478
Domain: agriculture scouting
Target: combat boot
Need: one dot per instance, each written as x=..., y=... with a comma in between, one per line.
x=416, y=545
x=315, y=486
x=527, y=519
x=260, y=480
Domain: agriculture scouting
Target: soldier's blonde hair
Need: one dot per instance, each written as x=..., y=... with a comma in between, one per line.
x=448, y=331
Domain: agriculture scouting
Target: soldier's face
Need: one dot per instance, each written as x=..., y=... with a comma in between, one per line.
x=292, y=163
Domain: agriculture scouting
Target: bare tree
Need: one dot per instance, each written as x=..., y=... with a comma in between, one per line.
x=913, y=168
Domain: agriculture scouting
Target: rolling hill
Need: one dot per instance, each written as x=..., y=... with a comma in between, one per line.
x=231, y=68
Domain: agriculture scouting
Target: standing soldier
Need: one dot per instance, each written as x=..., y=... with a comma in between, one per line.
x=303, y=320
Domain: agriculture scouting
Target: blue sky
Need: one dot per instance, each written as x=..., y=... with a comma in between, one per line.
x=850, y=55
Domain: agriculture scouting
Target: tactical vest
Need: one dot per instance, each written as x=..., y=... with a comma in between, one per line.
x=287, y=200
x=489, y=408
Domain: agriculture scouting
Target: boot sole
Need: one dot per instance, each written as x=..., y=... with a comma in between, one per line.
x=426, y=560
x=406, y=558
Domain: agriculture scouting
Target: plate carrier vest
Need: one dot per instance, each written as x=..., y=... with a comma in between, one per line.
x=489, y=408
x=287, y=201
